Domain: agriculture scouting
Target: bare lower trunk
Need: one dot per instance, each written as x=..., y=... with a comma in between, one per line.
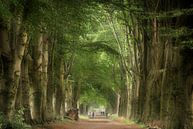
x=123, y=106
x=152, y=103
x=18, y=101
x=60, y=91
x=117, y=103
x=76, y=94
x=68, y=95
x=143, y=78
x=5, y=65
x=25, y=84
x=50, y=86
x=37, y=78
x=44, y=75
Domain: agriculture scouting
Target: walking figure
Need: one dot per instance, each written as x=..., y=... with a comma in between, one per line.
x=92, y=114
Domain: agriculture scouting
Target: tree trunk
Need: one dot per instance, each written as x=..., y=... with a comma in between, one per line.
x=123, y=106
x=60, y=90
x=76, y=94
x=68, y=95
x=143, y=79
x=117, y=103
x=179, y=78
x=25, y=84
x=18, y=101
x=152, y=103
x=37, y=78
x=50, y=85
x=5, y=65
x=14, y=69
x=44, y=75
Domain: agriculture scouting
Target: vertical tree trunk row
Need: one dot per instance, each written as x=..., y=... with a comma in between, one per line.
x=161, y=89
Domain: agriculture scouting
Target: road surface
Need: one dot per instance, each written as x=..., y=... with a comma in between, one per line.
x=91, y=124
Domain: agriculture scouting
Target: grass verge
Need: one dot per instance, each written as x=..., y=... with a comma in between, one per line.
x=126, y=121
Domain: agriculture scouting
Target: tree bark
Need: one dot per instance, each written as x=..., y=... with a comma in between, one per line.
x=14, y=68
x=69, y=95
x=25, y=84
x=44, y=75
x=123, y=106
x=37, y=79
x=50, y=85
x=60, y=90
x=5, y=64
x=117, y=103
x=76, y=93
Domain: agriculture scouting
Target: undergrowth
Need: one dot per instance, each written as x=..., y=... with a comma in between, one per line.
x=16, y=121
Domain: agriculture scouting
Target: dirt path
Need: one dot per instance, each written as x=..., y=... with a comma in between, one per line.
x=92, y=124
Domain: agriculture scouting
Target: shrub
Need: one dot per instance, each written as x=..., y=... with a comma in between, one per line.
x=16, y=122
x=2, y=120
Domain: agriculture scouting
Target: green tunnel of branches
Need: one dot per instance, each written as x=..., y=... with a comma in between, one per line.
x=134, y=57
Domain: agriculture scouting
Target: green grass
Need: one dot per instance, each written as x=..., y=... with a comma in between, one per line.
x=113, y=117
x=126, y=121
x=83, y=117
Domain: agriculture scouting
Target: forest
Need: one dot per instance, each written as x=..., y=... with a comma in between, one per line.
x=134, y=57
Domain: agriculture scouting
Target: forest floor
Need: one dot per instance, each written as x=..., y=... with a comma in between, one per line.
x=91, y=124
